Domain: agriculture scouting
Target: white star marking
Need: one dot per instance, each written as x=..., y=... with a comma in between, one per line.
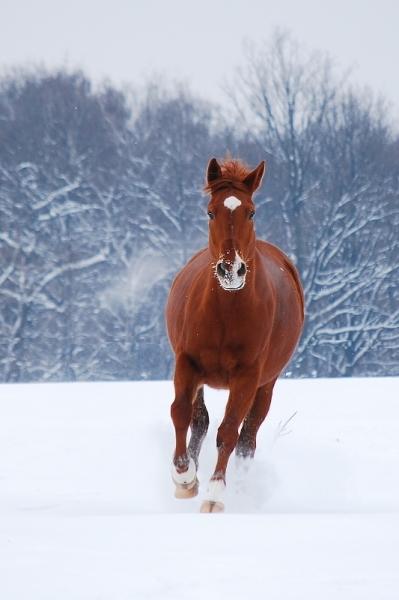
x=232, y=203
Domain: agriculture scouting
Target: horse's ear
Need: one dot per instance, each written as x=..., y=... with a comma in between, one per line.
x=214, y=171
x=254, y=179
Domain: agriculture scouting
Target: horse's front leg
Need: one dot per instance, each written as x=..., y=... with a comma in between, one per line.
x=242, y=393
x=184, y=472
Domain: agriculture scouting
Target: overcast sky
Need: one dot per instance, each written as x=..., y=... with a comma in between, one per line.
x=197, y=41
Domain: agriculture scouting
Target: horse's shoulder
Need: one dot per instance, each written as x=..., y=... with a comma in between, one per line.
x=192, y=267
x=199, y=257
x=197, y=262
x=274, y=253
x=271, y=252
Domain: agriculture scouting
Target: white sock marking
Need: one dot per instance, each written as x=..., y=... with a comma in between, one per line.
x=186, y=477
x=232, y=203
x=215, y=491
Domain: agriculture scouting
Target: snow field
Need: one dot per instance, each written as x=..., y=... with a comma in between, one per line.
x=87, y=508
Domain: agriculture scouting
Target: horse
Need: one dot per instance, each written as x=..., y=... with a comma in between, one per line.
x=234, y=316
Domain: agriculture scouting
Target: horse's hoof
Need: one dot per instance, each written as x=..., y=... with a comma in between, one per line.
x=186, y=483
x=210, y=506
x=187, y=490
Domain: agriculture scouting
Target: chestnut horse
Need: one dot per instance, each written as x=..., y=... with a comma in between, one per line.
x=234, y=316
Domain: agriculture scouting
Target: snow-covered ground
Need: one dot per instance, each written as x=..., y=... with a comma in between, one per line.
x=87, y=508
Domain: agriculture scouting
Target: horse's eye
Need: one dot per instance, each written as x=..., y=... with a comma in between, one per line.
x=211, y=215
x=252, y=214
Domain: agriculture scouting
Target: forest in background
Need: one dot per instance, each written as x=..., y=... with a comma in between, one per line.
x=101, y=203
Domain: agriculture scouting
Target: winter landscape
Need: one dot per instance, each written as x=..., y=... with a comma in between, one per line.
x=87, y=507
x=101, y=203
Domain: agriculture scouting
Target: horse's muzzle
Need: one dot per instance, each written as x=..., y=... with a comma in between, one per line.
x=231, y=275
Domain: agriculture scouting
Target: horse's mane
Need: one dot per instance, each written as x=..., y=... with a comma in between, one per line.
x=233, y=174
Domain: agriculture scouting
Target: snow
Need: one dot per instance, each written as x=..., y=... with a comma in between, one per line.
x=87, y=507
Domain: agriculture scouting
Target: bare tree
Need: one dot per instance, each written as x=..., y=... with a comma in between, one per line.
x=333, y=201
x=283, y=95
x=100, y=203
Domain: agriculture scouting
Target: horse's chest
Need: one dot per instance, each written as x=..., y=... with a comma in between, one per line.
x=224, y=358
x=221, y=353
x=220, y=342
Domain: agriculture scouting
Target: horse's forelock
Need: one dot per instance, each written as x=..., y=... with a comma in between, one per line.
x=233, y=174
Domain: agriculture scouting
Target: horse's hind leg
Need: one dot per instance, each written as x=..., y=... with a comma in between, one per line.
x=246, y=444
x=184, y=472
x=199, y=426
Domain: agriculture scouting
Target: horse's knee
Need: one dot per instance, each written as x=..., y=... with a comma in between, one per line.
x=227, y=435
x=180, y=412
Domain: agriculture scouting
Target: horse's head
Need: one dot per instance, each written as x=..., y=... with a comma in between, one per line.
x=231, y=227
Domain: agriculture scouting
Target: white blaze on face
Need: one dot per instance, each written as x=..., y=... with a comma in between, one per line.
x=232, y=203
x=238, y=261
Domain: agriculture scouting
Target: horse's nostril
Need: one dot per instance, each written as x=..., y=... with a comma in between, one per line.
x=242, y=270
x=222, y=269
